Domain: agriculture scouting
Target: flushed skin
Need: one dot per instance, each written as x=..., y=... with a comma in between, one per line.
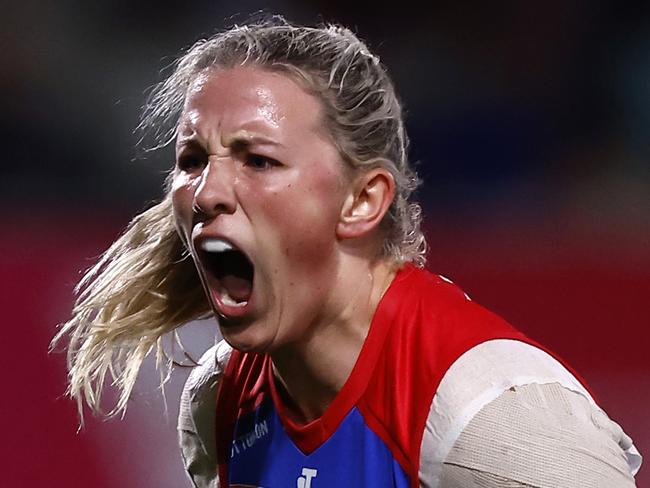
x=144, y=287
x=255, y=166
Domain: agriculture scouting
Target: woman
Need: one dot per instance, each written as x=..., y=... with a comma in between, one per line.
x=343, y=360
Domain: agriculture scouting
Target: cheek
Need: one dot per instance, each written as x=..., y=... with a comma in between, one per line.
x=305, y=209
x=304, y=216
x=322, y=197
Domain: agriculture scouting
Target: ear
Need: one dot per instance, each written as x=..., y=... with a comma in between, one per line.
x=369, y=200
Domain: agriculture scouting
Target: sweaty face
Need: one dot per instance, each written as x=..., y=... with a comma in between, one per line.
x=257, y=191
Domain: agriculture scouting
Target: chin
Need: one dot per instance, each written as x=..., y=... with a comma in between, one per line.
x=245, y=337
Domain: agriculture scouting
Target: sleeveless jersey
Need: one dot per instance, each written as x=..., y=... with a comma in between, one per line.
x=371, y=433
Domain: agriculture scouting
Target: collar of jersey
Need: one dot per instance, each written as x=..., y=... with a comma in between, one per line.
x=308, y=437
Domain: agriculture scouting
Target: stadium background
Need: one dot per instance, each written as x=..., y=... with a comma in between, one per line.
x=531, y=125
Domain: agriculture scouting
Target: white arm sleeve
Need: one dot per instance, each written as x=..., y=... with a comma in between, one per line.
x=513, y=415
x=542, y=436
x=196, y=419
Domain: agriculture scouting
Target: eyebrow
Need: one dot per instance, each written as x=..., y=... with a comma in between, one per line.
x=191, y=142
x=248, y=139
x=239, y=140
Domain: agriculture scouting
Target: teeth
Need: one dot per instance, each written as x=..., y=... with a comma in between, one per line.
x=216, y=245
x=225, y=298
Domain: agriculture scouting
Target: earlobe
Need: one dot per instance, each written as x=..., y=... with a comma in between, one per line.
x=367, y=203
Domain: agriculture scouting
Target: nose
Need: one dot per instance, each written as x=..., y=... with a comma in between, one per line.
x=215, y=193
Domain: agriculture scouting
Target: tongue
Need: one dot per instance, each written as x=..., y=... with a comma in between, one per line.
x=238, y=288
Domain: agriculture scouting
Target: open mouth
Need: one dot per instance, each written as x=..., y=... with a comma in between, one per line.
x=230, y=272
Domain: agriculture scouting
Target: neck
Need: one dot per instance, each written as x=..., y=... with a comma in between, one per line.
x=311, y=371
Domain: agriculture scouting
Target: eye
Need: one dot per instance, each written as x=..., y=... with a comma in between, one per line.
x=259, y=162
x=190, y=162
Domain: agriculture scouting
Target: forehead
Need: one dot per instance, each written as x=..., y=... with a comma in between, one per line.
x=229, y=100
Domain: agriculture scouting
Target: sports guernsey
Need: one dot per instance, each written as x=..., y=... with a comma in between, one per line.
x=371, y=434
x=411, y=412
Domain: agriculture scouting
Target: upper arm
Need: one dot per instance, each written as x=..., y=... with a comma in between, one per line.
x=542, y=436
x=196, y=420
x=500, y=393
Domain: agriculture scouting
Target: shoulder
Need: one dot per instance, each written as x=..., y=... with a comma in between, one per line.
x=209, y=369
x=433, y=306
x=508, y=412
x=196, y=419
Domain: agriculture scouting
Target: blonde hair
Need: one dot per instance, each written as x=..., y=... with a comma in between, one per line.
x=144, y=285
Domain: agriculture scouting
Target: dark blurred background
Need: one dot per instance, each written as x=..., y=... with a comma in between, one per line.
x=530, y=125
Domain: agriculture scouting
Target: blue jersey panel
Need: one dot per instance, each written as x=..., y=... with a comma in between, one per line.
x=263, y=455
